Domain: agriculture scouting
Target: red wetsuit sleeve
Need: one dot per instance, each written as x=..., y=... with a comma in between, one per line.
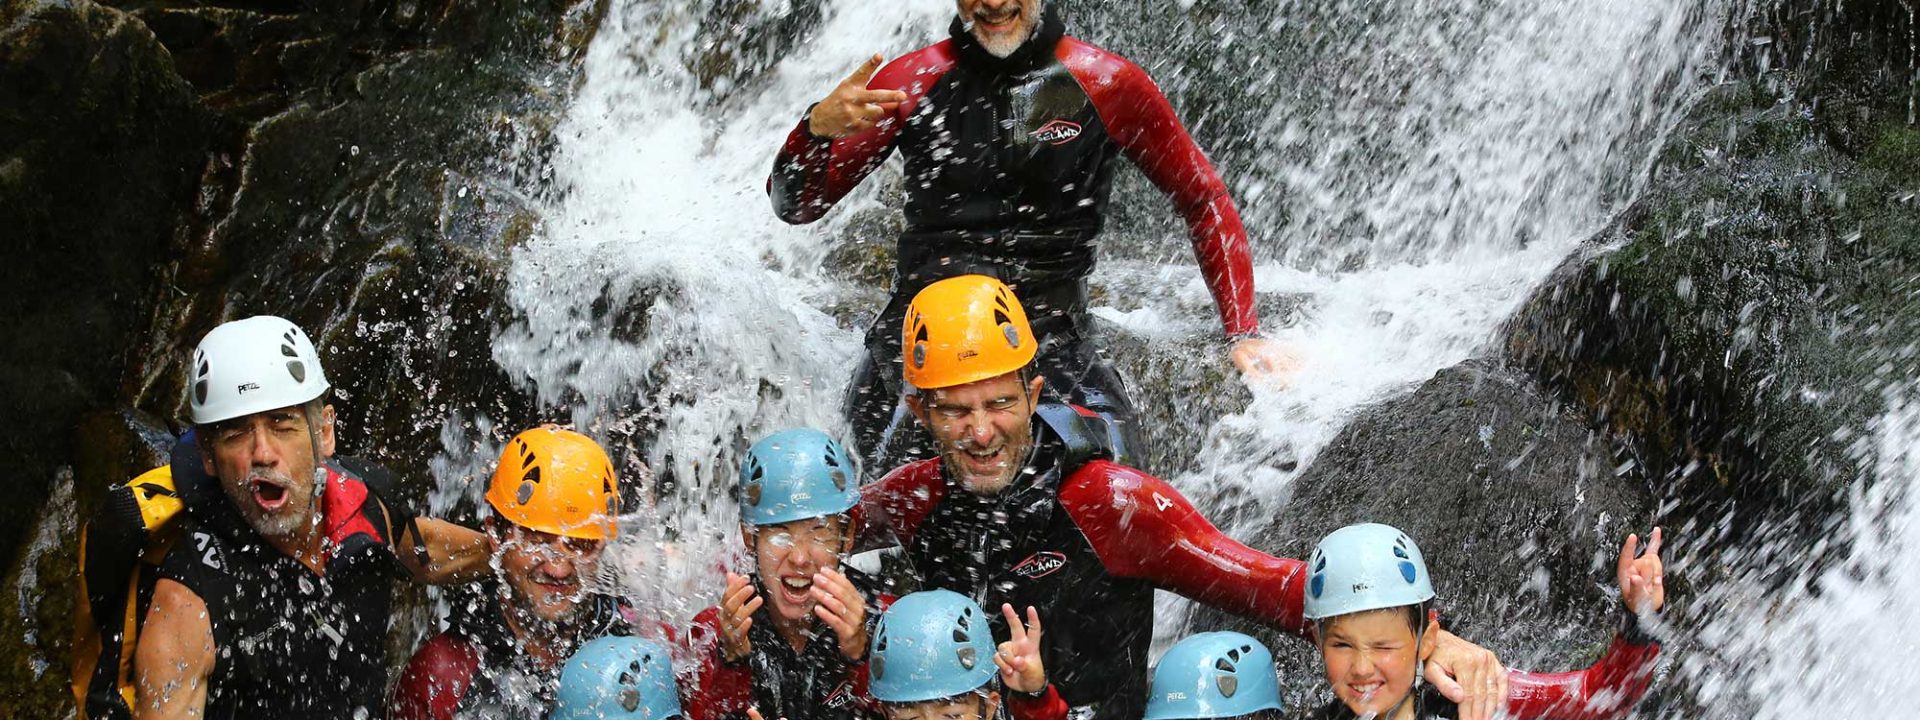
x=714, y=689
x=435, y=680
x=1141, y=527
x=1049, y=706
x=891, y=510
x=1140, y=120
x=810, y=174
x=1606, y=691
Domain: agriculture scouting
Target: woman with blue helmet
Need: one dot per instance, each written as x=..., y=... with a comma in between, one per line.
x=1370, y=597
x=934, y=659
x=789, y=638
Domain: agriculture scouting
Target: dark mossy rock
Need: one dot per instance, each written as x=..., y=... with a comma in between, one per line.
x=1758, y=304
x=101, y=147
x=1519, y=508
x=738, y=40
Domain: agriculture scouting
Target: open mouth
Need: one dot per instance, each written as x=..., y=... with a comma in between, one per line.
x=985, y=459
x=268, y=494
x=796, y=589
x=1365, y=691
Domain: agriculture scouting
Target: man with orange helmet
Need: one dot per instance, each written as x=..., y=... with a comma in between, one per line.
x=555, y=500
x=1039, y=514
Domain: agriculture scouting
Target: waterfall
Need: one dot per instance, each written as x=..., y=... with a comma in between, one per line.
x=1409, y=174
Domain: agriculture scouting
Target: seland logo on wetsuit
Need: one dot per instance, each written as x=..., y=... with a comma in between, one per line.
x=1058, y=132
x=1040, y=564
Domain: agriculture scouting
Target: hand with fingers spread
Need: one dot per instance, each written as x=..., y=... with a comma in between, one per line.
x=839, y=604
x=1643, y=586
x=1019, y=656
x=851, y=108
x=737, y=607
x=1469, y=675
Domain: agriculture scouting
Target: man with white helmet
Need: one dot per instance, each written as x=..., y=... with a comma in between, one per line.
x=274, y=603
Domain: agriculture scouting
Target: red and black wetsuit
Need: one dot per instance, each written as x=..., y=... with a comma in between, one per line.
x=1009, y=164
x=1606, y=691
x=1085, y=542
x=477, y=669
x=817, y=683
x=290, y=643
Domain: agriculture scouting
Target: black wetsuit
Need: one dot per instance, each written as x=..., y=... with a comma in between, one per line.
x=817, y=683
x=289, y=643
x=1009, y=165
x=476, y=669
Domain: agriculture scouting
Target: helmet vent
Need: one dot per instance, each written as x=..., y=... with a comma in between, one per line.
x=200, y=393
x=968, y=658
x=298, y=370
x=286, y=349
x=1229, y=684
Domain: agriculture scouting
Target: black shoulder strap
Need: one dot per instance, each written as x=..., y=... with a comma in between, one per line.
x=1086, y=434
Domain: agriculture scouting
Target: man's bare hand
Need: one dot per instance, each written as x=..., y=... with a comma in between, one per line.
x=1469, y=675
x=1265, y=361
x=851, y=108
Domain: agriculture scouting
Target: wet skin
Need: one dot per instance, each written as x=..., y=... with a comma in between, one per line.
x=1001, y=26
x=1372, y=658
x=265, y=463
x=964, y=707
x=984, y=428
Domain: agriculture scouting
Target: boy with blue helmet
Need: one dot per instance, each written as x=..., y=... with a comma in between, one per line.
x=1216, y=676
x=1370, y=598
x=789, y=639
x=930, y=662
x=618, y=678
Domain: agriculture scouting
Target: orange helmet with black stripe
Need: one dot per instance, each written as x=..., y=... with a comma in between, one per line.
x=965, y=329
x=556, y=481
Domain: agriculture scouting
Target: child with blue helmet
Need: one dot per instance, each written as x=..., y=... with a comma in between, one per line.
x=930, y=661
x=1370, y=598
x=617, y=678
x=1216, y=676
x=790, y=638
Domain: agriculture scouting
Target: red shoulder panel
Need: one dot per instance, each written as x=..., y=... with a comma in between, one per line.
x=891, y=510
x=435, y=679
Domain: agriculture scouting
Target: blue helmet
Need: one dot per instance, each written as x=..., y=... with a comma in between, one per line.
x=931, y=645
x=617, y=678
x=1214, y=675
x=1365, y=567
x=796, y=475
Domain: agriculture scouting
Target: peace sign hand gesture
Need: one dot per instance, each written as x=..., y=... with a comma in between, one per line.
x=1019, y=656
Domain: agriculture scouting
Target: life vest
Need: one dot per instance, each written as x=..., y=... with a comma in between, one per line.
x=121, y=548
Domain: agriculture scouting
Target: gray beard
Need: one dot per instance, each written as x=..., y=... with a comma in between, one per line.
x=1004, y=45
x=296, y=516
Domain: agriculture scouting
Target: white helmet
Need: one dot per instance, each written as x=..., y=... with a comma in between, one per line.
x=253, y=365
x=1365, y=567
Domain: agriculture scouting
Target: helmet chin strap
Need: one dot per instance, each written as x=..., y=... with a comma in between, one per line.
x=319, y=462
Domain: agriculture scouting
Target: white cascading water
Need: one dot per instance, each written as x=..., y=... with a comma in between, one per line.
x=1511, y=134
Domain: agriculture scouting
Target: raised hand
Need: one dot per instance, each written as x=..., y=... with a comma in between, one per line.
x=1469, y=675
x=1643, y=586
x=851, y=108
x=1019, y=656
x=737, y=606
x=838, y=604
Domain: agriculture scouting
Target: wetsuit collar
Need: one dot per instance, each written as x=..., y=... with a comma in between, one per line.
x=1036, y=52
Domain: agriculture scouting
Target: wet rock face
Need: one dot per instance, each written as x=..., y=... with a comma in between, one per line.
x=1758, y=306
x=1519, y=507
x=101, y=147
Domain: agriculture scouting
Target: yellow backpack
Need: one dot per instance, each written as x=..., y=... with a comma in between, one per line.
x=120, y=547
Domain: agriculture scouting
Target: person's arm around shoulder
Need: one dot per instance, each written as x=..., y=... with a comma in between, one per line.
x=1141, y=527
x=1611, y=687
x=174, y=660
x=437, y=552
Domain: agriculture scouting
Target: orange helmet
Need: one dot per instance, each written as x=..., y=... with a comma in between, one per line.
x=965, y=329
x=556, y=481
